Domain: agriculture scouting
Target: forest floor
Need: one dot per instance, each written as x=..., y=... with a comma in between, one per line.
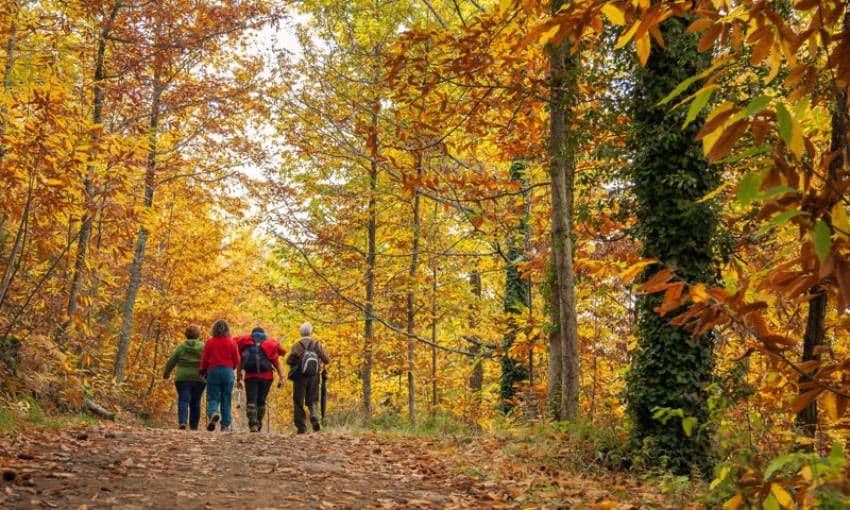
x=140, y=468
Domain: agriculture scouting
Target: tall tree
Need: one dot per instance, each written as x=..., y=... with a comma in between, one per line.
x=670, y=175
x=563, y=91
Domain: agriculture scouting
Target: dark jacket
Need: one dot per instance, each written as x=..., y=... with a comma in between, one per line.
x=300, y=346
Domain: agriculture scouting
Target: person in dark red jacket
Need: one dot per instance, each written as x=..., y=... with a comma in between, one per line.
x=219, y=359
x=260, y=359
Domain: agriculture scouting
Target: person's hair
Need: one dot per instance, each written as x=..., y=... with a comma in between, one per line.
x=258, y=329
x=306, y=329
x=220, y=328
x=193, y=332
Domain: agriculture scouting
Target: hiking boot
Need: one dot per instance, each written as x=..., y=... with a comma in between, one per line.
x=254, y=428
x=316, y=426
x=226, y=428
x=213, y=421
x=182, y=426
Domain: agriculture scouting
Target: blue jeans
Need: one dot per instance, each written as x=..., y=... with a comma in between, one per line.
x=219, y=388
x=189, y=402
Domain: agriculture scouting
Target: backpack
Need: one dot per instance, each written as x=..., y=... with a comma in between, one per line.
x=309, y=361
x=254, y=359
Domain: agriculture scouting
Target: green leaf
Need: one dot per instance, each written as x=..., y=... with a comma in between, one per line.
x=679, y=89
x=697, y=105
x=748, y=153
x=786, y=125
x=748, y=189
x=780, y=219
x=770, y=503
x=756, y=105
x=822, y=237
x=777, y=464
x=775, y=191
x=688, y=425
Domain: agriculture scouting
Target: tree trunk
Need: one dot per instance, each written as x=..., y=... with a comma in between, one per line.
x=88, y=183
x=11, y=42
x=14, y=260
x=555, y=357
x=670, y=175
x=434, y=397
x=476, y=380
x=815, y=334
x=411, y=298
x=368, y=333
x=125, y=334
x=563, y=83
x=517, y=293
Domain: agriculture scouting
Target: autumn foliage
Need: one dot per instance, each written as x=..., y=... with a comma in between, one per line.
x=486, y=208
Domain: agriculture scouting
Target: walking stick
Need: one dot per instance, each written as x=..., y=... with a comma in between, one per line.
x=324, y=401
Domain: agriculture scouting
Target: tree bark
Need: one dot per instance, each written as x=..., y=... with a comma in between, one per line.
x=563, y=82
x=11, y=42
x=476, y=380
x=368, y=329
x=411, y=298
x=88, y=183
x=126, y=332
x=555, y=357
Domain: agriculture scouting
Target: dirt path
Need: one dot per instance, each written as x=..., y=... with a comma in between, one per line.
x=132, y=468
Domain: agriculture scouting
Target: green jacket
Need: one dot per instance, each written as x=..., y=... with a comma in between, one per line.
x=187, y=359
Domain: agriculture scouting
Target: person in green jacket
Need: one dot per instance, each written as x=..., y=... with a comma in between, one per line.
x=189, y=381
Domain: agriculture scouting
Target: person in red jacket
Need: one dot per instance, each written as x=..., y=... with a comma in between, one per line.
x=260, y=359
x=219, y=359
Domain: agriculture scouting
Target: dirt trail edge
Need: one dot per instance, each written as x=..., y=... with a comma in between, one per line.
x=135, y=468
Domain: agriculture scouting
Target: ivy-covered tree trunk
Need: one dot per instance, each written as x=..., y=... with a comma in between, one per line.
x=517, y=294
x=670, y=369
x=555, y=358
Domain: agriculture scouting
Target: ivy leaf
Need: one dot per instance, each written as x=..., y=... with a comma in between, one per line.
x=822, y=238
x=688, y=425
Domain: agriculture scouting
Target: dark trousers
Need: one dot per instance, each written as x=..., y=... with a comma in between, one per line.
x=256, y=392
x=189, y=402
x=305, y=390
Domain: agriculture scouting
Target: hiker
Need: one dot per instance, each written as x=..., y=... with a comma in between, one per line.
x=305, y=361
x=219, y=359
x=260, y=360
x=188, y=380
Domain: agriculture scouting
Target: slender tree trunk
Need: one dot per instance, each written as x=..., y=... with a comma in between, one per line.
x=88, y=183
x=368, y=333
x=14, y=260
x=815, y=334
x=476, y=380
x=411, y=298
x=434, y=396
x=563, y=83
x=555, y=357
x=126, y=332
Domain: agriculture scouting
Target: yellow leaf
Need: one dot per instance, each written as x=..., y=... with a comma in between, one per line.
x=632, y=271
x=796, y=144
x=840, y=221
x=627, y=35
x=712, y=194
x=830, y=405
x=643, y=46
x=547, y=36
x=782, y=496
x=806, y=473
x=774, y=61
x=698, y=293
x=734, y=502
x=614, y=14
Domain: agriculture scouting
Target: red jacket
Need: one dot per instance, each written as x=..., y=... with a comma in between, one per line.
x=219, y=352
x=272, y=349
